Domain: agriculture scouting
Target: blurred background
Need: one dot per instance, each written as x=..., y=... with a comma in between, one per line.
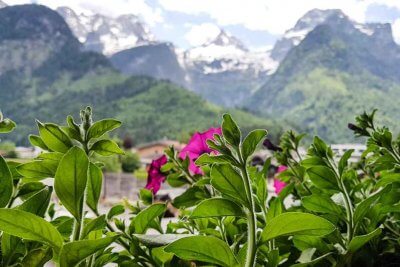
x=168, y=68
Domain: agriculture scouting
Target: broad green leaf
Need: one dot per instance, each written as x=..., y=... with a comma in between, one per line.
x=228, y=181
x=159, y=240
x=190, y=197
x=161, y=256
x=217, y=207
x=344, y=160
x=95, y=182
x=29, y=188
x=29, y=226
x=6, y=125
x=312, y=161
x=114, y=211
x=251, y=142
x=95, y=224
x=70, y=180
x=312, y=262
x=322, y=204
x=364, y=206
x=144, y=218
x=203, y=248
x=275, y=208
x=323, y=177
x=359, y=241
x=106, y=148
x=37, y=257
x=35, y=140
x=53, y=137
x=12, y=248
x=74, y=252
x=296, y=223
x=37, y=203
x=207, y=159
x=99, y=128
x=12, y=166
x=38, y=169
x=230, y=130
x=146, y=196
x=6, y=183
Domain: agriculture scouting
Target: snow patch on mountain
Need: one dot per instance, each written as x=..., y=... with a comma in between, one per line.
x=105, y=34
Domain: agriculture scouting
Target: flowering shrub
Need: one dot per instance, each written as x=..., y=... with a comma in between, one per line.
x=342, y=213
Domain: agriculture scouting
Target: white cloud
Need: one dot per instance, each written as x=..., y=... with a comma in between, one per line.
x=275, y=16
x=199, y=34
x=151, y=15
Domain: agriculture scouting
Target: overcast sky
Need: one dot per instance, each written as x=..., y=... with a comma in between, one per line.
x=257, y=22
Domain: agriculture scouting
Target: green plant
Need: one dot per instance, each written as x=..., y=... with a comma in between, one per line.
x=341, y=213
x=130, y=162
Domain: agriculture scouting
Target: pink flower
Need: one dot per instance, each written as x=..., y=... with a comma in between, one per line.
x=278, y=184
x=197, y=146
x=154, y=175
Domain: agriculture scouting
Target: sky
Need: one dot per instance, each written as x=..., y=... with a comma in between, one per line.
x=258, y=23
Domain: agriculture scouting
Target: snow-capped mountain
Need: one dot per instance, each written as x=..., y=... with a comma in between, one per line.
x=106, y=34
x=306, y=24
x=227, y=53
x=2, y=4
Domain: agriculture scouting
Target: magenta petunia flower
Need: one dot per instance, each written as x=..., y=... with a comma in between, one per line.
x=197, y=146
x=154, y=175
x=278, y=184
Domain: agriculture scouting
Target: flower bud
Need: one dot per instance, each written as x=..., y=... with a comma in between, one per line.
x=269, y=145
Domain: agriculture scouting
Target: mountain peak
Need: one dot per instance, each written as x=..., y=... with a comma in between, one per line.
x=226, y=39
x=105, y=34
x=2, y=4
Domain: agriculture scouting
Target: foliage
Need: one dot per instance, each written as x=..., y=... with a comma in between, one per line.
x=343, y=214
x=130, y=162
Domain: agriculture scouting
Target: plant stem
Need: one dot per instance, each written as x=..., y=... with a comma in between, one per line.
x=251, y=218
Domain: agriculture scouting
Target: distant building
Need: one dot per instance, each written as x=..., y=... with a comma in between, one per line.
x=340, y=149
x=27, y=152
x=152, y=150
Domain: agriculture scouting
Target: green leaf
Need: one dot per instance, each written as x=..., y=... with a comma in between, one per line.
x=359, y=241
x=251, y=142
x=323, y=177
x=106, y=148
x=38, y=203
x=99, y=128
x=190, y=197
x=29, y=226
x=322, y=204
x=37, y=257
x=38, y=169
x=144, y=218
x=344, y=160
x=74, y=252
x=146, y=196
x=35, y=140
x=6, y=183
x=217, y=207
x=96, y=224
x=312, y=262
x=115, y=211
x=6, y=126
x=203, y=248
x=70, y=180
x=231, y=131
x=159, y=240
x=275, y=208
x=207, y=159
x=95, y=182
x=53, y=137
x=365, y=205
x=228, y=181
x=296, y=223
